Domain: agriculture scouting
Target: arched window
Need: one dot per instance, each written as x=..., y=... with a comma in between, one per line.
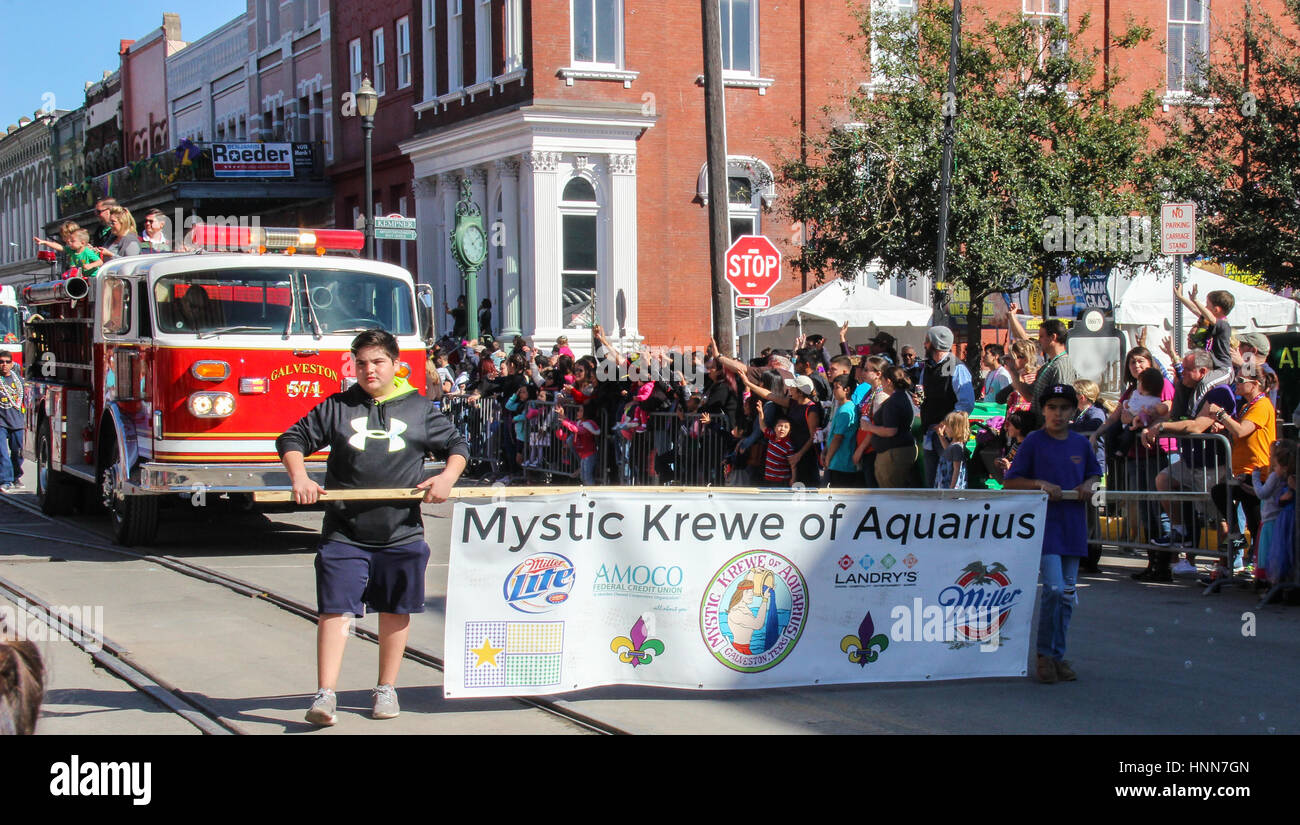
x=579, y=253
x=751, y=189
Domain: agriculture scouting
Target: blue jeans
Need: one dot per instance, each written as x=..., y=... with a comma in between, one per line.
x=1056, y=603
x=11, y=455
x=587, y=469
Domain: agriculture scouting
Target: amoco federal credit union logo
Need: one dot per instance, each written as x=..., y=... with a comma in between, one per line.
x=753, y=611
x=539, y=583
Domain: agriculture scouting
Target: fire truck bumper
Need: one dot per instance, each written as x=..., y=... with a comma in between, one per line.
x=230, y=478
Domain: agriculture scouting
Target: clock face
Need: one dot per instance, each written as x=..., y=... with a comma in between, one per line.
x=1093, y=320
x=473, y=244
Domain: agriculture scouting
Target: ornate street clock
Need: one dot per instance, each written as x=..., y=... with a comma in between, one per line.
x=469, y=248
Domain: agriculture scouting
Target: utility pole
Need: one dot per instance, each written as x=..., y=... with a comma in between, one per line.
x=939, y=297
x=715, y=128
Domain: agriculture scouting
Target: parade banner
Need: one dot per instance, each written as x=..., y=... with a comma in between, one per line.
x=726, y=590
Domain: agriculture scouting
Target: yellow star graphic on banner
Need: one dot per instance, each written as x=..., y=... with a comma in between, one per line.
x=487, y=654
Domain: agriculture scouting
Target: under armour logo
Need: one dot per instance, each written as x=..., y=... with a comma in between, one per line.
x=393, y=434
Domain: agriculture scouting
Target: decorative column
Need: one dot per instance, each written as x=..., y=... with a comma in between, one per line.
x=623, y=232
x=428, y=220
x=449, y=279
x=508, y=313
x=546, y=246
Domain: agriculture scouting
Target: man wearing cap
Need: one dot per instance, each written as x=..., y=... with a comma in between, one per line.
x=883, y=344
x=1252, y=429
x=947, y=388
x=1053, y=460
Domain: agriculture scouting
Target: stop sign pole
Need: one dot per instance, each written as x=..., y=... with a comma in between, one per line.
x=753, y=267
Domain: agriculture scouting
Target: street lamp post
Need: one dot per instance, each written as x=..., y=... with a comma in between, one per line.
x=367, y=103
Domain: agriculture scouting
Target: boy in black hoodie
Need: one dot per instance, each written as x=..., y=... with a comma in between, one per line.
x=372, y=553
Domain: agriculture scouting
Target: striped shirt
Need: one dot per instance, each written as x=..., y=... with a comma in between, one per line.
x=777, y=467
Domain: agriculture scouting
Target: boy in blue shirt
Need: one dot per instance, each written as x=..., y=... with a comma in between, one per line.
x=1054, y=460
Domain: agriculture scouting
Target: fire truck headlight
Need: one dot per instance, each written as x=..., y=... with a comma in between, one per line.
x=403, y=369
x=211, y=404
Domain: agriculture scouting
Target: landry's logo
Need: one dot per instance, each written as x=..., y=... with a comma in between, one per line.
x=876, y=572
x=539, y=583
x=753, y=611
x=980, y=601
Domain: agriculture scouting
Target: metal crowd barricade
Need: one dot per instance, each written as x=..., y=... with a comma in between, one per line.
x=676, y=448
x=1132, y=511
x=479, y=422
x=549, y=448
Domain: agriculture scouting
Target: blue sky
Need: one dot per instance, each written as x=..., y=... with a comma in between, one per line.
x=55, y=46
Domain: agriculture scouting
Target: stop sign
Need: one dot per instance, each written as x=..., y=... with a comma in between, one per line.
x=753, y=265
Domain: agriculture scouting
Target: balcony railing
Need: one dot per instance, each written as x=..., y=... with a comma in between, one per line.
x=142, y=178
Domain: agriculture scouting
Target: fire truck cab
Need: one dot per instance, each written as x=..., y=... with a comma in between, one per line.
x=174, y=373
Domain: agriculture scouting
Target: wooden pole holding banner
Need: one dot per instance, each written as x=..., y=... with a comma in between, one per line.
x=391, y=494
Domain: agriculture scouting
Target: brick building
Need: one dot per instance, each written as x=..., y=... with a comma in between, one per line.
x=579, y=126
x=376, y=40
x=145, y=106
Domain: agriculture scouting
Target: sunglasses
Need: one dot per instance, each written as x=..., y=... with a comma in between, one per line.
x=6, y=361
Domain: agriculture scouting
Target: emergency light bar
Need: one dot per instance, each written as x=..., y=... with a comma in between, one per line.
x=260, y=239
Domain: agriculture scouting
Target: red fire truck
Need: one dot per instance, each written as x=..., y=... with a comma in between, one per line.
x=174, y=373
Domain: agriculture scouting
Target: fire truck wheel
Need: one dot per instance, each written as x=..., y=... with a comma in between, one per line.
x=54, y=492
x=134, y=518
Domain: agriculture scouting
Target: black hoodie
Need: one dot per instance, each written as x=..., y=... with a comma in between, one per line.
x=374, y=444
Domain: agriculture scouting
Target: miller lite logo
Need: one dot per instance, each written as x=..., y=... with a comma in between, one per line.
x=539, y=583
x=980, y=602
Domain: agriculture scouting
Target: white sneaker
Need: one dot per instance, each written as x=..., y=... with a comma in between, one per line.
x=1184, y=567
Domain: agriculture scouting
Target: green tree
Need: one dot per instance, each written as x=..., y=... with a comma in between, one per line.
x=1037, y=133
x=1247, y=181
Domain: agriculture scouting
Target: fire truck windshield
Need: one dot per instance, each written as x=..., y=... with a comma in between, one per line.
x=257, y=301
x=11, y=325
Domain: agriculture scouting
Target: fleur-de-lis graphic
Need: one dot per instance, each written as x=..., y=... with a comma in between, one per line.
x=637, y=648
x=859, y=653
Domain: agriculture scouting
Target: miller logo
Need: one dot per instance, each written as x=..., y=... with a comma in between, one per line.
x=980, y=601
x=539, y=583
x=753, y=611
x=393, y=434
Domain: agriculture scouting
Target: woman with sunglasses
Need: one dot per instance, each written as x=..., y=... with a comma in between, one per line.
x=125, y=241
x=1253, y=429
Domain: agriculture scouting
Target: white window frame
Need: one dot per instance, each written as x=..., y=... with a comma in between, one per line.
x=1185, y=23
x=881, y=10
x=595, y=46
x=455, y=34
x=1040, y=13
x=378, y=60
x=514, y=45
x=430, y=49
x=590, y=209
x=752, y=71
x=483, y=41
x=403, y=34
x=354, y=63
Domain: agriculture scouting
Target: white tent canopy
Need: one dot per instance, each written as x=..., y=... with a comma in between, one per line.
x=1147, y=299
x=839, y=301
x=825, y=309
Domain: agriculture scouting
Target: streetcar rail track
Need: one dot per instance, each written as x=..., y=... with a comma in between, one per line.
x=286, y=603
x=116, y=659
